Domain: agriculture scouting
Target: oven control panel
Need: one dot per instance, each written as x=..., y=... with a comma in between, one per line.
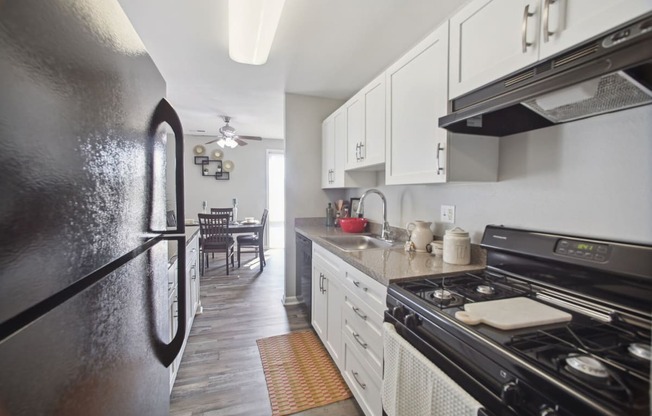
x=586, y=250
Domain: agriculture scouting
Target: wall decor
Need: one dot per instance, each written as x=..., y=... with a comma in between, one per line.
x=216, y=168
x=200, y=159
x=228, y=166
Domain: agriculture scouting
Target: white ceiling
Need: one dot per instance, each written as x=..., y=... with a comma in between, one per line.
x=325, y=48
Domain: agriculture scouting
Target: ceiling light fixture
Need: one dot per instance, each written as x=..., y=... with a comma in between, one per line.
x=227, y=142
x=252, y=26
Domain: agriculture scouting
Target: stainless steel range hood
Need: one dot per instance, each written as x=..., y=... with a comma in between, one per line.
x=606, y=74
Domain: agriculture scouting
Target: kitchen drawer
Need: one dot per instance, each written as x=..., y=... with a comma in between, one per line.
x=364, y=330
x=364, y=385
x=367, y=289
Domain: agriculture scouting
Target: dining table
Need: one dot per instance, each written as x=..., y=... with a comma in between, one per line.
x=244, y=227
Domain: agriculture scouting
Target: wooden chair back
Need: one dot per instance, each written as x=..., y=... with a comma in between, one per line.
x=222, y=211
x=214, y=229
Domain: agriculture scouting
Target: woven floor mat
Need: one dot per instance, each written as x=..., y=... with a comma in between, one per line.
x=299, y=373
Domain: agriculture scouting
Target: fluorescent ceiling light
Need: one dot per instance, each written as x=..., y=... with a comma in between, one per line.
x=252, y=26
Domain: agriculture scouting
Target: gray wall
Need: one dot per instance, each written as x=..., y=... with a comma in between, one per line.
x=247, y=181
x=592, y=177
x=303, y=194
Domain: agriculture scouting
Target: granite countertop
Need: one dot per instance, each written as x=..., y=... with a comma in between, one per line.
x=387, y=265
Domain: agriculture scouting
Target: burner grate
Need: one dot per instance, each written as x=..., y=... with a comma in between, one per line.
x=607, y=344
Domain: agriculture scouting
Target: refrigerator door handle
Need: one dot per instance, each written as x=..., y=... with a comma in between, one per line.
x=167, y=353
x=165, y=113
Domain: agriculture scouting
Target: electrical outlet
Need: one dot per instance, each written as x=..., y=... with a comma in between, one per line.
x=448, y=213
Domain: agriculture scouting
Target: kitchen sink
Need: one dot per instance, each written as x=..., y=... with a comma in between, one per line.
x=357, y=242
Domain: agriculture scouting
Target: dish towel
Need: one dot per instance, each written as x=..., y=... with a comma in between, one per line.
x=414, y=386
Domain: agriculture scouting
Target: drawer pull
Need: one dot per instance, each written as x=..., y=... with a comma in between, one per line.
x=357, y=312
x=355, y=376
x=357, y=338
x=357, y=284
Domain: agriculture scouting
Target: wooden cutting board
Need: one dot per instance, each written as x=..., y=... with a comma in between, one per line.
x=511, y=313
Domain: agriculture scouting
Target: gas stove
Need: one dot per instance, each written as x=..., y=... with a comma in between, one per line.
x=598, y=363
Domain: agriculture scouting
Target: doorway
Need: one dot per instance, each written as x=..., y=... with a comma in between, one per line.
x=276, y=198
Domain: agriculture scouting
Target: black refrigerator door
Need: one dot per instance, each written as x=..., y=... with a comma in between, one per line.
x=77, y=156
x=97, y=353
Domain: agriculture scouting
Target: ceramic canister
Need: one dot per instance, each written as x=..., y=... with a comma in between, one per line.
x=457, y=246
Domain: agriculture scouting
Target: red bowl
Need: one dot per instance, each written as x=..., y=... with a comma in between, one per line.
x=353, y=225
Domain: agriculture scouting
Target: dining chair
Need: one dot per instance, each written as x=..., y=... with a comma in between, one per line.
x=254, y=241
x=216, y=237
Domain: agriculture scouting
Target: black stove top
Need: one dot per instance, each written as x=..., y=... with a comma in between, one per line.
x=455, y=291
x=602, y=355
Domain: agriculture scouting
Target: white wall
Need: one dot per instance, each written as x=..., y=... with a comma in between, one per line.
x=303, y=194
x=247, y=181
x=590, y=178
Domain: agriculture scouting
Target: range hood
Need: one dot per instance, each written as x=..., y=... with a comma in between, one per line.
x=606, y=74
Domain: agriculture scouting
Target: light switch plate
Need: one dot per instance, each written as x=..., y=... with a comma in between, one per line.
x=448, y=213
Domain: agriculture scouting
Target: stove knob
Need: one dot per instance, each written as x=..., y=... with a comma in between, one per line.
x=398, y=311
x=410, y=320
x=511, y=394
x=548, y=411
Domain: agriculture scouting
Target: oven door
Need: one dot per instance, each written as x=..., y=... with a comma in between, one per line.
x=492, y=404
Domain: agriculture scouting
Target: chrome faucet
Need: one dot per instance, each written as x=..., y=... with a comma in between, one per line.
x=385, y=233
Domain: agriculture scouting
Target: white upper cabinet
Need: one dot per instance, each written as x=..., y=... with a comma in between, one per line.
x=489, y=39
x=569, y=22
x=334, y=141
x=492, y=38
x=341, y=129
x=416, y=97
x=366, y=127
x=418, y=150
x=327, y=152
x=355, y=130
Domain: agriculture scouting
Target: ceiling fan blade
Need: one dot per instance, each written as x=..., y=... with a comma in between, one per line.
x=250, y=137
x=212, y=141
x=240, y=142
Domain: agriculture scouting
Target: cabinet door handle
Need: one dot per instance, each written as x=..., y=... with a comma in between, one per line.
x=546, y=20
x=357, y=338
x=321, y=283
x=357, y=152
x=357, y=312
x=440, y=149
x=361, y=153
x=355, y=376
x=526, y=14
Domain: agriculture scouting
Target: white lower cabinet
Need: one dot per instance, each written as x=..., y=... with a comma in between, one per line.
x=347, y=314
x=327, y=302
x=364, y=385
x=193, y=304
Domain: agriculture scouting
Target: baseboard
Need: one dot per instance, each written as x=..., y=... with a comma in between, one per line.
x=291, y=300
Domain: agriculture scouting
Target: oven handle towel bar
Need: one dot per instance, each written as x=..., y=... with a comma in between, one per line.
x=413, y=385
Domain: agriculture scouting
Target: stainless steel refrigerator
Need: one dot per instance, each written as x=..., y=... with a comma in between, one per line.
x=84, y=324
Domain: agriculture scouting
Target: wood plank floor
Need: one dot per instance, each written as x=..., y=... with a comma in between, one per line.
x=221, y=372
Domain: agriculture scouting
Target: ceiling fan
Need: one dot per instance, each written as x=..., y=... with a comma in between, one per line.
x=228, y=138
